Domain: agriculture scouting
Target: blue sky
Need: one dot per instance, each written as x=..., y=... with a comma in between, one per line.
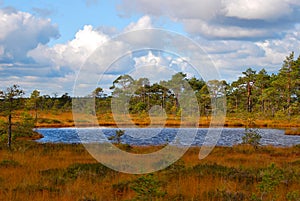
x=44, y=43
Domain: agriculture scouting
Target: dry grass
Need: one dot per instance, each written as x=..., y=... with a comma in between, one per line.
x=292, y=131
x=65, y=119
x=60, y=172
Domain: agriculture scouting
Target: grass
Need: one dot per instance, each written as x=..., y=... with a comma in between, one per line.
x=65, y=119
x=292, y=131
x=63, y=172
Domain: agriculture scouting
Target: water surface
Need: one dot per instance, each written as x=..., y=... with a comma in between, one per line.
x=158, y=136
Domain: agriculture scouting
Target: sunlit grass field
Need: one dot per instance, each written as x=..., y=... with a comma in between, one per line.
x=61, y=172
x=65, y=119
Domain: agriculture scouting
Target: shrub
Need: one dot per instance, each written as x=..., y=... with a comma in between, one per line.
x=77, y=170
x=117, y=136
x=147, y=188
x=91, y=171
x=252, y=137
x=271, y=177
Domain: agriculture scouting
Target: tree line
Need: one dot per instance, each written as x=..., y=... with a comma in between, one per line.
x=267, y=95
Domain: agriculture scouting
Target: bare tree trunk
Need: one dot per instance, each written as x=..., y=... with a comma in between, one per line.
x=249, y=103
x=163, y=101
x=36, y=112
x=9, y=123
x=9, y=131
x=262, y=100
x=236, y=104
x=289, y=95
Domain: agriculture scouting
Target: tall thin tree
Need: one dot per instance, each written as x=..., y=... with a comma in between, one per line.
x=9, y=97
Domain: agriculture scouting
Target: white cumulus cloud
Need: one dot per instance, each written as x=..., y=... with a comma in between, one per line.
x=73, y=53
x=21, y=32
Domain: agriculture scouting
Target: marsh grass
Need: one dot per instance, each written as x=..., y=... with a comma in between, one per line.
x=61, y=172
x=65, y=119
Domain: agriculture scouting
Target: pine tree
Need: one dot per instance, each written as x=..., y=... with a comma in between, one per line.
x=9, y=105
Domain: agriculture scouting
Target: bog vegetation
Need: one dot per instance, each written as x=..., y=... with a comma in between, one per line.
x=66, y=172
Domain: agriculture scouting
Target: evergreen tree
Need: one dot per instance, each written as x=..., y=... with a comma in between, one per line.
x=9, y=105
x=262, y=83
x=34, y=102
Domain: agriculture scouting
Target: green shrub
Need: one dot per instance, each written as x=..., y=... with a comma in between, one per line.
x=91, y=171
x=77, y=170
x=270, y=179
x=252, y=136
x=147, y=188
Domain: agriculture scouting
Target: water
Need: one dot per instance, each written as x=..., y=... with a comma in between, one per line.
x=157, y=136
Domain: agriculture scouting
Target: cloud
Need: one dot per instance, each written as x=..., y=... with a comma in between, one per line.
x=158, y=65
x=232, y=57
x=73, y=53
x=257, y=9
x=46, y=85
x=63, y=59
x=143, y=23
x=218, y=31
x=21, y=32
x=244, y=40
x=240, y=33
x=223, y=19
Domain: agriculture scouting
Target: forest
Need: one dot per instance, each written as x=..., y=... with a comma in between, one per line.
x=259, y=94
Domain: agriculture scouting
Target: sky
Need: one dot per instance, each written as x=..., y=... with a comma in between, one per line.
x=44, y=44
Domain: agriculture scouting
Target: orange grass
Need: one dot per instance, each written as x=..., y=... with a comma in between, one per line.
x=23, y=176
x=292, y=131
x=65, y=119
